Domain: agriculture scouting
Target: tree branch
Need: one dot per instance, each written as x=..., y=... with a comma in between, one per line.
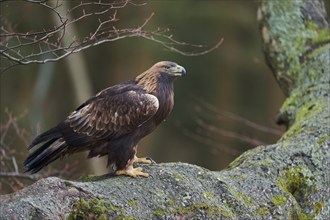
x=20, y=175
x=19, y=48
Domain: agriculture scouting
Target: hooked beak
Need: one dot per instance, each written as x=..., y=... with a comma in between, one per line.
x=178, y=70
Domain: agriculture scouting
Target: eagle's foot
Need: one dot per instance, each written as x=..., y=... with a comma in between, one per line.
x=141, y=160
x=133, y=172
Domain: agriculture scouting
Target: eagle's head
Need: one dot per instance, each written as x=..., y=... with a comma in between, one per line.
x=168, y=69
x=161, y=72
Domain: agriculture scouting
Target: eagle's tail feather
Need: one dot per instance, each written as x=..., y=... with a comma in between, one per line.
x=50, y=134
x=45, y=154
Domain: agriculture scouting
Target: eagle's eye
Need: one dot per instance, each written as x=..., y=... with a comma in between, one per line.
x=165, y=67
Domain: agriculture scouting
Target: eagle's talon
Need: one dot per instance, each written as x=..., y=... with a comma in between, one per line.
x=152, y=161
x=141, y=160
x=134, y=172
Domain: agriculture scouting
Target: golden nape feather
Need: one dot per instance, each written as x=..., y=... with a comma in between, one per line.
x=112, y=122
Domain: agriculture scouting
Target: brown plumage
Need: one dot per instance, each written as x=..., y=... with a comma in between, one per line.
x=112, y=122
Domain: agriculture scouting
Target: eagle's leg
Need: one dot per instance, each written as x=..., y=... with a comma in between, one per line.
x=141, y=160
x=134, y=172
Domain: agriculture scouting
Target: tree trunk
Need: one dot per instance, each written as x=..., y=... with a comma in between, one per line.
x=286, y=180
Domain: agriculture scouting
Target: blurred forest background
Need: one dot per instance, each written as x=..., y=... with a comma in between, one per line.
x=225, y=105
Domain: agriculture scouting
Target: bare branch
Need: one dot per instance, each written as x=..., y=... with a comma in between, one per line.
x=31, y=177
x=229, y=134
x=209, y=133
x=11, y=175
x=203, y=139
x=46, y=45
x=172, y=44
x=220, y=114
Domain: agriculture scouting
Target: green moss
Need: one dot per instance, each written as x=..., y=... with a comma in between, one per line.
x=308, y=110
x=113, y=207
x=245, y=198
x=241, y=176
x=159, y=212
x=208, y=195
x=132, y=203
x=263, y=162
x=171, y=202
x=120, y=212
x=177, y=177
x=305, y=112
x=240, y=196
x=295, y=34
x=189, y=211
x=279, y=200
x=320, y=35
x=239, y=160
x=94, y=209
x=291, y=35
x=213, y=210
x=88, y=178
x=322, y=139
x=317, y=207
x=125, y=218
x=291, y=181
x=262, y=210
x=98, y=205
x=299, y=182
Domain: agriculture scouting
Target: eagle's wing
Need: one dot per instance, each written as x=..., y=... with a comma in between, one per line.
x=109, y=116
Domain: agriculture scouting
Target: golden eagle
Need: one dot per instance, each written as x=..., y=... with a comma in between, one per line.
x=112, y=122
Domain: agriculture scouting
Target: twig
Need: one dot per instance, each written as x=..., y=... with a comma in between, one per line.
x=49, y=41
x=208, y=141
x=229, y=134
x=32, y=177
x=232, y=116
